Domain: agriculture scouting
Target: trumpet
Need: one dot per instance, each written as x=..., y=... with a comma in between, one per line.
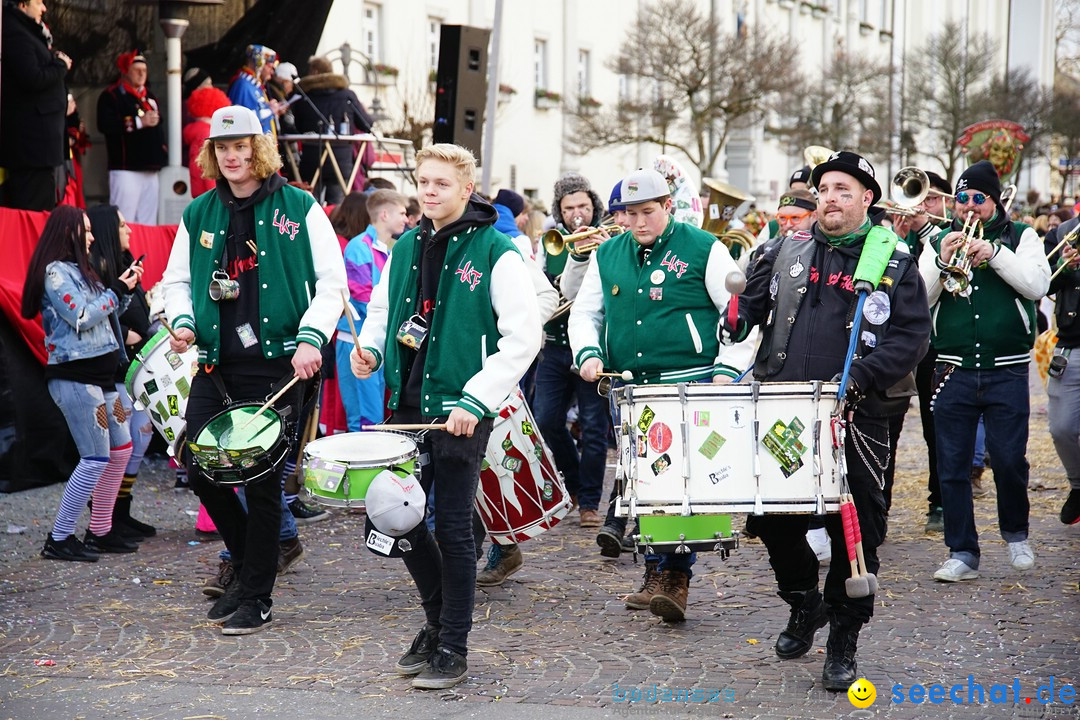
x=909, y=187
x=555, y=242
x=1070, y=239
x=956, y=276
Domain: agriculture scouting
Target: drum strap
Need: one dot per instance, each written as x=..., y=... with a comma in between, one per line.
x=218, y=383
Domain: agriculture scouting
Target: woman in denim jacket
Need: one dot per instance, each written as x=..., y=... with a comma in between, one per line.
x=79, y=315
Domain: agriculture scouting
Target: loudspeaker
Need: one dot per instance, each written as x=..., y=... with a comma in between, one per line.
x=461, y=87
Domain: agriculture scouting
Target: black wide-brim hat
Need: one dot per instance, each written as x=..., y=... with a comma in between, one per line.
x=851, y=164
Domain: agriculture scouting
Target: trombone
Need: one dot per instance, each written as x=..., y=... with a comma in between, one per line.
x=909, y=187
x=1070, y=239
x=956, y=276
x=555, y=242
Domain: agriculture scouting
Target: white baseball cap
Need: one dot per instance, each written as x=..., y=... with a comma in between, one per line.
x=234, y=121
x=643, y=185
x=395, y=504
x=286, y=71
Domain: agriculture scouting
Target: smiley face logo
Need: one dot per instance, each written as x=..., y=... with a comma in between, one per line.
x=862, y=693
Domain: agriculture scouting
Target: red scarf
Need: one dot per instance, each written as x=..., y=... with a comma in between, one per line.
x=139, y=95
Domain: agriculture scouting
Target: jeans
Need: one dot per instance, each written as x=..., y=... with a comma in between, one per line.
x=924, y=381
x=443, y=566
x=1001, y=397
x=363, y=400
x=91, y=415
x=251, y=535
x=556, y=386
x=978, y=460
x=140, y=428
x=1064, y=416
x=794, y=563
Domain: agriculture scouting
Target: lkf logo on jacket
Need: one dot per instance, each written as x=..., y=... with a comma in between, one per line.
x=469, y=275
x=674, y=264
x=285, y=225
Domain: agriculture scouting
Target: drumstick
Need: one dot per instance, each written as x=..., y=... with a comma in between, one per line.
x=165, y=324
x=406, y=426
x=348, y=316
x=624, y=375
x=271, y=401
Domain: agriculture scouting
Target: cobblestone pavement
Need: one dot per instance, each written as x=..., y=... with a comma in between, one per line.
x=129, y=637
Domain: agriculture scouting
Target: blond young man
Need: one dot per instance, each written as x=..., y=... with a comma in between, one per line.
x=453, y=333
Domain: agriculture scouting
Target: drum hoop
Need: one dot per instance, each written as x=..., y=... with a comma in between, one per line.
x=370, y=464
x=139, y=361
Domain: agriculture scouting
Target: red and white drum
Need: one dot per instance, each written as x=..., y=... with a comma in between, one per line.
x=520, y=494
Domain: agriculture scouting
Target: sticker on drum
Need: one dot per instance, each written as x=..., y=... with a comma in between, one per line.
x=194, y=368
x=150, y=387
x=512, y=464
x=154, y=414
x=738, y=416
x=712, y=445
x=325, y=474
x=661, y=464
x=144, y=400
x=720, y=475
x=507, y=443
x=526, y=427
x=162, y=410
x=183, y=387
x=701, y=418
x=169, y=435
x=174, y=406
x=660, y=437
x=166, y=382
x=646, y=419
x=174, y=360
x=642, y=446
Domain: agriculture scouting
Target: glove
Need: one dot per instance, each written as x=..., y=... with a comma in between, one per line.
x=730, y=335
x=853, y=395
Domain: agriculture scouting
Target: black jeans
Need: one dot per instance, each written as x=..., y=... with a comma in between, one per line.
x=444, y=566
x=924, y=382
x=792, y=560
x=252, y=536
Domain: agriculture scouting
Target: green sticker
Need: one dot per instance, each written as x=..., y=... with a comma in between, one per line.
x=169, y=435
x=701, y=419
x=324, y=474
x=162, y=410
x=144, y=400
x=151, y=387
x=507, y=444
x=183, y=387
x=784, y=447
x=512, y=464
x=174, y=406
x=712, y=445
x=646, y=419
x=661, y=464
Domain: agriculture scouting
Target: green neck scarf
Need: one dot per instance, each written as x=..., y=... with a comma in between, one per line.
x=845, y=240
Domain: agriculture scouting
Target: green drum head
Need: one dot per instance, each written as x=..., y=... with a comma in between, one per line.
x=239, y=429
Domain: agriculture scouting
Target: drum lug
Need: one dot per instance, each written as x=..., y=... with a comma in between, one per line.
x=682, y=549
x=759, y=508
x=819, y=507
x=685, y=512
x=633, y=507
x=817, y=391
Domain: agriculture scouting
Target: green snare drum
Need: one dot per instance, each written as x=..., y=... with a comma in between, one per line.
x=235, y=448
x=679, y=534
x=339, y=468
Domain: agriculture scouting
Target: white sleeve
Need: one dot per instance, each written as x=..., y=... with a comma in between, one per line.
x=520, y=333
x=1025, y=270
x=176, y=283
x=573, y=274
x=547, y=297
x=716, y=271
x=373, y=331
x=930, y=272
x=587, y=316
x=327, y=303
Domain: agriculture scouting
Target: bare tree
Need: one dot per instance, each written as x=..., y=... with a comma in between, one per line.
x=1065, y=123
x=942, y=92
x=1020, y=98
x=696, y=84
x=1067, y=45
x=845, y=108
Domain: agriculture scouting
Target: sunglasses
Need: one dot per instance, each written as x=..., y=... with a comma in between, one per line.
x=792, y=219
x=977, y=198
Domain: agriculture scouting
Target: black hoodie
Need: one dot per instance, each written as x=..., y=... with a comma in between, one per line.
x=242, y=265
x=478, y=213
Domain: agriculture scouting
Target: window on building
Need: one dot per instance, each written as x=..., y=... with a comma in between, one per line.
x=540, y=69
x=434, y=32
x=624, y=88
x=372, y=32
x=886, y=14
x=584, y=74
x=864, y=11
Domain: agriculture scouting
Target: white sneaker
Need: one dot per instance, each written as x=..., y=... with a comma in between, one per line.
x=954, y=570
x=820, y=544
x=1021, y=556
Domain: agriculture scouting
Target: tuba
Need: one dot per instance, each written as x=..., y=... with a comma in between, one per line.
x=814, y=155
x=723, y=201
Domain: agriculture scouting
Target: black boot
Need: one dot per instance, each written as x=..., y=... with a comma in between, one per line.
x=129, y=525
x=840, y=668
x=807, y=616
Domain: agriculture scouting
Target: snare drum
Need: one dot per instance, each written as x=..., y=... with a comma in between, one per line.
x=159, y=382
x=236, y=448
x=520, y=494
x=677, y=534
x=699, y=449
x=339, y=468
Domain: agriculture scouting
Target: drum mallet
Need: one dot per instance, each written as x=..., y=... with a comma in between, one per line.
x=855, y=586
x=734, y=283
x=871, y=578
x=406, y=426
x=271, y=401
x=625, y=375
x=165, y=324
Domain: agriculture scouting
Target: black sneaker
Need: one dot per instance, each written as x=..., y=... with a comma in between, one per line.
x=305, y=514
x=1070, y=511
x=110, y=542
x=445, y=670
x=610, y=541
x=215, y=586
x=227, y=604
x=420, y=651
x=250, y=617
x=70, y=548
